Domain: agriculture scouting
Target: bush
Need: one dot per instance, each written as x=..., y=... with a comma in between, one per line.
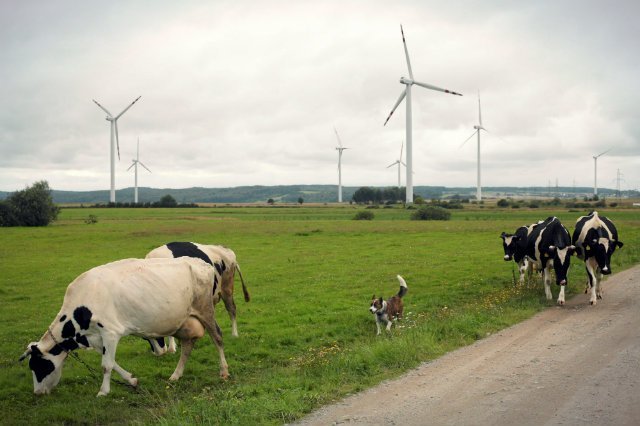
x=503, y=203
x=431, y=213
x=33, y=206
x=91, y=219
x=363, y=215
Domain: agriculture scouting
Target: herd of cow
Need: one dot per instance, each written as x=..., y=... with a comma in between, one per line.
x=173, y=291
x=546, y=245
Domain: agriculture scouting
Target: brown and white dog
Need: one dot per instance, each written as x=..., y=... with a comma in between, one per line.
x=388, y=310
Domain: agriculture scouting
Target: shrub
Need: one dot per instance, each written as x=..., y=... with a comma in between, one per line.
x=431, y=213
x=363, y=215
x=91, y=219
x=502, y=203
x=33, y=206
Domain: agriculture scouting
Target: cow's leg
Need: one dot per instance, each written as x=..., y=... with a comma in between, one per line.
x=599, y=290
x=546, y=274
x=171, y=347
x=522, y=266
x=157, y=346
x=229, y=304
x=125, y=375
x=561, y=295
x=592, y=283
x=109, y=345
x=216, y=335
x=186, y=345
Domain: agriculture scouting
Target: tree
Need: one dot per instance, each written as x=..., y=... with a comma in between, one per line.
x=168, y=201
x=33, y=206
x=300, y=200
x=270, y=201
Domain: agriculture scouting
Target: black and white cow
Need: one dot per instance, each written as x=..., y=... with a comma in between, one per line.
x=149, y=298
x=549, y=246
x=595, y=238
x=225, y=262
x=515, y=248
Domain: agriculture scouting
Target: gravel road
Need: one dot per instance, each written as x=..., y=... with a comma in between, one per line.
x=577, y=364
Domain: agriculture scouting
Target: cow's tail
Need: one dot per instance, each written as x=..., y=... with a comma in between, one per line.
x=403, y=287
x=244, y=287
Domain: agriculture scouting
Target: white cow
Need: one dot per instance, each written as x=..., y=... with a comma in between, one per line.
x=146, y=298
x=225, y=262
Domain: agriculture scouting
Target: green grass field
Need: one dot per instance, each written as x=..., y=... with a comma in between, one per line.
x=306, y=338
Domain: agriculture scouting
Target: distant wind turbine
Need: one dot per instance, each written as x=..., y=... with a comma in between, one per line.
x=477, y=128
x=595, y=171
x=399, y=162
x=135, y=164
x=408, y=82
x=114, y=142
x=339, y=148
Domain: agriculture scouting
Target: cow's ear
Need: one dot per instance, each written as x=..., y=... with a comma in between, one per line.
x=29, y=351
x=572, y=250
x=503, y=235
x=619, y=244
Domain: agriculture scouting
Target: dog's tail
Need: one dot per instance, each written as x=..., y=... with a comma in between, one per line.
x=403, y=287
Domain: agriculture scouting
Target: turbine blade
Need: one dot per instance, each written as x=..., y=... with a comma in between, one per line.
x=130, y=105
x=102, y=108
x=429, y=86
x=402, y=95
x=603, y=153
x=401, y=148
x=402, y=162
x=338, y=136
x=467, y=139
x=493, y=134
x=140, y=162
x=406, y=53
x=479, y=109
x=115, y=124
x=392, y=164
x=133, y=163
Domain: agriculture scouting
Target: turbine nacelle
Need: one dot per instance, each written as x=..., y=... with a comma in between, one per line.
x=406, y=81
x=479, y=128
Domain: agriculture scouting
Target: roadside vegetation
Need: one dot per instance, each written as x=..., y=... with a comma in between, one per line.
x=306, y=337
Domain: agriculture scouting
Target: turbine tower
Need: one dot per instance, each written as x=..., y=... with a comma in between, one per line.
x=408, y=82
x=399, y=162
x=477, y=128
x=339, y=148
x=135, y=163
x=595, y=171
x=114, y=142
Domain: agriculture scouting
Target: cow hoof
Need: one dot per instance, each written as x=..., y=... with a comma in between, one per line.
x=101, y=394
x=592, y=302
x=224, y=376
x=174, y=378
x=600, y=297
x=561, y=302
x=134, y=382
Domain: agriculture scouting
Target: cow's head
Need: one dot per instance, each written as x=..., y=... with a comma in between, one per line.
x=601, y=248
x=45, y=365
x=561, y=259
x=509, y=245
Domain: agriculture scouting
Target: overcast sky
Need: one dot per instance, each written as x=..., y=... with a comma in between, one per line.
x=248, y=92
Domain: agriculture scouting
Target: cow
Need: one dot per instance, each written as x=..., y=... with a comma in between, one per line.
x=225, y=262
x=596, y=239
x=515, y=248
x=549, y=246
x=149, y=298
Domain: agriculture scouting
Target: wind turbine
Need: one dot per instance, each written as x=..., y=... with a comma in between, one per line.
x=114, y=142
x=477, y=128
x=595, y=171
x=339, y=148
x=399, y=162
x=135, y=163
x=408, y=82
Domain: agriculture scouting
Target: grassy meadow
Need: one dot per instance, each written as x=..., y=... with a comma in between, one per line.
x=306, y=337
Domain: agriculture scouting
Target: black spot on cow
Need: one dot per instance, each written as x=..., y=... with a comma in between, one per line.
x=150, y=344
x=218, y=268
x=41, y=367
x=182, y=249
x=160, y=342
x=215, y=283
x=56, y=350
x=69, y=345
x=104, y=350
x=100, y=325
x=63, y=318
x=82, y=315
x=68, y=330
x=82, y=340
